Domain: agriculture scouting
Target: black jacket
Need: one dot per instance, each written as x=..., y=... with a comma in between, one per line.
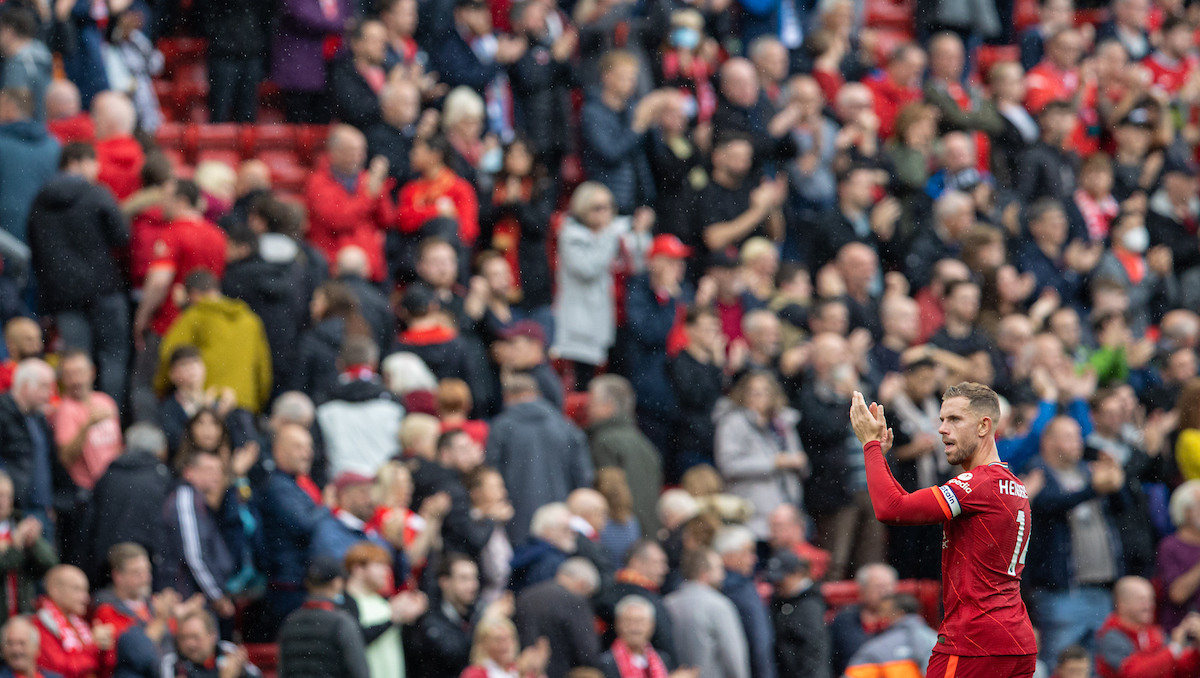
x=439, y=647
x=753, y=121
x=127, y=505
x=549, y=610
x=675, y=196
x=394, y=144
x=316, y=642
x=236, y=29
x=17, y=456
x=533, y=219
x=1047, y=172
x=1166, y=230
x=540, y=87
x=829, y=232
x=73, y=229
x=352, y=99
x=801, y=639
x=824, y=431
x=460, y=532
x=698, y=387
x=316, y=370
x=274, y=291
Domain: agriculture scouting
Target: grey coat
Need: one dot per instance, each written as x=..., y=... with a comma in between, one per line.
x=745, y=455
x=708, y=633
x=541, y=456
x=584, y=312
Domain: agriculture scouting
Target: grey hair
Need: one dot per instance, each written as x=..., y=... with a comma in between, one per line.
x=30, y=369
x=1183, y=498
x=951, y=203
x=406, y=372
x=733, y=538
x=294, y=407
x=677, y=501
x=615, y=390
x=864, y=573
x=549, y=516
x=580, y=568
x=632, y=601
x=34, y=635
x=144, y=437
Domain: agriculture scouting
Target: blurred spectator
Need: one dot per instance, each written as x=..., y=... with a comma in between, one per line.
x=588, y=245
x=336, y=316
x=34, y=155
x=614, y=440
x=490, y=511
x=238, y=43
x=551, y=542
x=540, y=79
x=787, y=527
x=1179, y=557
x=119, y=154
x=1131, y=644
x=756, y=450
x=697, y=377
x=128, y=605
x=856, y=624
x=897, y=84
x=74, y=227
x=346, y=201
x=621, y=529
x=953, y=217
x=613, y=128
x=906, y=641
x=1055, y=263
x=1049, y=170
x=473, y=55
x=298, y=55
x=644, y=572
x=347, y=524
x=65, y=117
x=797, y=611
x=195, y=558
x=1053, y=16
x=636, y=619
x=27, y=62
x=68, y=645
x=495, y=648
x=360, y=421
x=737, y=547
x=392, y=136
x=442, y=637
x=732, y=208
x=320, y=639
x=352, y=269
x=676, y=163
x=20, y=643
x=28, y=556
x=118, y=514
x=357, y=77
x=473, y=156
x=130, y=61
x=1078, y=540
x=368, y=568
x=436, y=192
x=743, y=108
x=28, y=448
x=1128, y=25
x=858, y=218
x=558, y=610
x=198, y=647
x=213, y=323
x=291, y=509
x=1020, y=129
x=707, y=629
x=1171, y=207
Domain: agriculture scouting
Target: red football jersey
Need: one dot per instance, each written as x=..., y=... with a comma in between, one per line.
x=184, y=246
x=984, y=540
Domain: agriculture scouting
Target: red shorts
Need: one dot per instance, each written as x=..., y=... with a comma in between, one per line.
x=1005, y=666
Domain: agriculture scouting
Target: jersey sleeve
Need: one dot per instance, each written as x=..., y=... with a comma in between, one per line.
x=164, y=252
x=892, y=504
x=965, y=493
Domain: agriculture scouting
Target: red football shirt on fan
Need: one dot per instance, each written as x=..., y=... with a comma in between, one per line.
x=986, y=524
x=1168, y=74
x=186, y=245
x=144, y=231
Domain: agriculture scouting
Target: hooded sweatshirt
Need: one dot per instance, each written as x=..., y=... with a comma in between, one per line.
x=74, y=226
x=121, y=159
x=233, y=343
x=30, y=159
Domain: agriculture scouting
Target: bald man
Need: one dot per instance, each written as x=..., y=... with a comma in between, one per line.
x=120, y=155
x=392, y=136
x=68, y=645
x=742, y=108
x=23, y=339
x=1130, y=644
x=347, y=204
x=353, y=269
x=64, y=115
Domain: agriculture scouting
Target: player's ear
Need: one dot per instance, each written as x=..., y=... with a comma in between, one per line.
x=986, y=425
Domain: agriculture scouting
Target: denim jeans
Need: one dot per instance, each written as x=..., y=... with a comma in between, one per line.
x=102, y=330
x=1068, y=618
x=233, y=89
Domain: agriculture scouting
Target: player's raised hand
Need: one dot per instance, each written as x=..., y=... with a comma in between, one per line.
x=868, y=422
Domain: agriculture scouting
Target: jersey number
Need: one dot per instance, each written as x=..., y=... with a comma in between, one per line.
x=1019, y=551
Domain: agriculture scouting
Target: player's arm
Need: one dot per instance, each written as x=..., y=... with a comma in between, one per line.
x=892, y=504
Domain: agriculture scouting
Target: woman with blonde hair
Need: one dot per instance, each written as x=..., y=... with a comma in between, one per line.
x=463, y=124
x=760, y=263
x=414, y=532
x=494, y=652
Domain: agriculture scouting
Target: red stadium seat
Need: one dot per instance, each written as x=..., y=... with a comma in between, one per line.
x=265, y=656
x=1025, y=14
x=928, y=592
x=224, y=137
x=231, y=158
x=886, y=41
x=272, y=138
x=1091, y=16
x=289, y=178
x=189, y=95
x=575, y=407
x=310, y=142
x=171, y=135
x=180, y=51
x=278, y=158
x=890, y=15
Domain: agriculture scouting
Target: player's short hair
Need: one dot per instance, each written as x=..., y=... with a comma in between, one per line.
x=980, y=399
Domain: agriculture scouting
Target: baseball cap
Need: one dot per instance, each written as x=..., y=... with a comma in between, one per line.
x=1178, y=166
x=530, y=329
x=667, y=245
x=783, y=564
x=349, y=479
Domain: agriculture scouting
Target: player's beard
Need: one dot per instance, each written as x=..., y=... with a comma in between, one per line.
x=959, y=454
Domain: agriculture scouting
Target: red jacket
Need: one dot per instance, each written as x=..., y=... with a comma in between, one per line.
x=338, y=218
x=121, y=160
x=81, y=663
x=889, y=99
x=1126, y=652
x=75, y=128
x=417, y=203
x=113, y=611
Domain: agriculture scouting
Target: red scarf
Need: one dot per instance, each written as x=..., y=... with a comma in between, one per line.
x=626, y=667
x=10, y=579
x=631, y=577
x=358, y=373
x=1134, y=264
x=72, y=632
x=1097, y=214
x=314, y=604
x=310, y=488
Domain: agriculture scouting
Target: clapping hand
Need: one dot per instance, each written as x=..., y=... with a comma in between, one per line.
x=869, y=423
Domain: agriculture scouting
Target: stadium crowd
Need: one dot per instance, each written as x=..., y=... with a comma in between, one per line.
x=543, y=367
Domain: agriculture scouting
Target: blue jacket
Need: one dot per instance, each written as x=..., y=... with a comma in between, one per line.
x=756, y=622
x=85, y=64
x=615, y=155
x=534, y=562
x=1051, y=535
x=334, y=538
x=458, y=64
x=648, y=325
x=1019, y=449
x=290, y=518
x=30, y=160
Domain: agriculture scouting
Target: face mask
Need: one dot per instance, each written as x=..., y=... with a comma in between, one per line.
x=491, y=160
x=1136, y=239
x=685, y=38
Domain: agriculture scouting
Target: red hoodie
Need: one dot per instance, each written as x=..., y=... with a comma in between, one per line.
x=339, y=218
x=1143, y=653
x=121, y=160
x=75, y=128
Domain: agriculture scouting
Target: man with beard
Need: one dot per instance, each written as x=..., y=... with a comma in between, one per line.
x=731, y=210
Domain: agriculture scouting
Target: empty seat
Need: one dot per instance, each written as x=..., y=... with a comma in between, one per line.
x=278, y=158
x=231, y=158
x=310, y=142
x=271, y=137
x=171, y=135
x=224, y=137
x=887, y=14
